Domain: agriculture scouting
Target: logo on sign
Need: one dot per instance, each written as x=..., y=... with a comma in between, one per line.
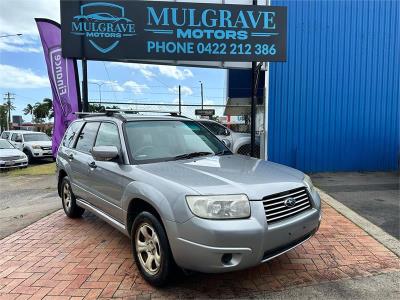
x=290, y=202
x=104, y=24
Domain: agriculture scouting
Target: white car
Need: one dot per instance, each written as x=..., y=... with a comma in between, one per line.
x=10, y=157
x=33, y=144
x=237, y=142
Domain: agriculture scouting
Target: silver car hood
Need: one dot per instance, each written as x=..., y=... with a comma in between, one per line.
x=10, y=152
x=229, y=174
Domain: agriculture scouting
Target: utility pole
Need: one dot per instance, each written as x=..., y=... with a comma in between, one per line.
x=202, y=94
x=180, y=100
x=8, y=97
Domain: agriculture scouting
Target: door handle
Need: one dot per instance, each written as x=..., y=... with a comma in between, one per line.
x=92, y=165
x=71, y=156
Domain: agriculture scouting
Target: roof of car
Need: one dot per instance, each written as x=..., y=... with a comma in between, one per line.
x=22, y=131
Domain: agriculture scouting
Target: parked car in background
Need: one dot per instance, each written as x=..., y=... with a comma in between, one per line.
x=10, y=157
x=34, y=144
x=237, y=142
x=181, y=195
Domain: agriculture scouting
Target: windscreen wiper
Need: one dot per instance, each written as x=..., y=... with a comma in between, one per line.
x=223, y=152
x=191, y=155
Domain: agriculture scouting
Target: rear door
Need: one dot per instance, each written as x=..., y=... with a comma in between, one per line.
x=79, y=159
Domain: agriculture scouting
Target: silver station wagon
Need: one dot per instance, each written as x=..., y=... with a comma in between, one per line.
x=181, y=195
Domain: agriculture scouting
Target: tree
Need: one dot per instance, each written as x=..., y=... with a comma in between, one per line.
x=28, y=110
x=9, y=106
x=40, y=112
x=3, y=117
x=49, y=105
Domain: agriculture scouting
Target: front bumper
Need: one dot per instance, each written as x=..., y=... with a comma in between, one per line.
x=214, y=246
x=19, y=163
x=40, y=153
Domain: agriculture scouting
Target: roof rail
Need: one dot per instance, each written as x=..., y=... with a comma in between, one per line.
x=136, y=111
x=111, y=112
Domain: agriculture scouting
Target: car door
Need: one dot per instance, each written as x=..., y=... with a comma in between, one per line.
x=79, y=158
x=107, y=176
x=17, y=141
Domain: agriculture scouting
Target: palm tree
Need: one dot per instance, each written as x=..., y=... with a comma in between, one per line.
x=28, y=110
x=9, y=106
x=49, y=105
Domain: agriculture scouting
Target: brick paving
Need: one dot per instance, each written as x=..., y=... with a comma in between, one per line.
x=60, y=258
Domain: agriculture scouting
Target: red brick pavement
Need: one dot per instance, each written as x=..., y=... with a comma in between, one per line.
x=60, y=258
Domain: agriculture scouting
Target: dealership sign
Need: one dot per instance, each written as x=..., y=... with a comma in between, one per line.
x=136, y=30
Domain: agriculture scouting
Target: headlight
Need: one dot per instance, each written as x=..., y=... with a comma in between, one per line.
x=22, y=157
x=219, y=207
x=307, y=181
x=36, y=147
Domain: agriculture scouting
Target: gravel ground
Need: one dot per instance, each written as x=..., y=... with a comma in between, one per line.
x=26, y=199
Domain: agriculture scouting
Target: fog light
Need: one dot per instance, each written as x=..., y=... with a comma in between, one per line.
x=226, y=258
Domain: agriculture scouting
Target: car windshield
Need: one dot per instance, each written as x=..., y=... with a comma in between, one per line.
x=36, y=137
x=5, y=145
x=153, y=141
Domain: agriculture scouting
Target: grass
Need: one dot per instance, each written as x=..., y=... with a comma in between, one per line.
x=43, y=169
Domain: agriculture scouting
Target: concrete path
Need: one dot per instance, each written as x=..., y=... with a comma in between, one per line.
x=373, y=195
x=24, y=200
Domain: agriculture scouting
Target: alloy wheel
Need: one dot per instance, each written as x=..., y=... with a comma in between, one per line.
x=67, y=197
x=148, y=248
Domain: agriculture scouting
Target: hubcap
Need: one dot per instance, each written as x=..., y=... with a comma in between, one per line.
x=148, y=248
x=67, y=196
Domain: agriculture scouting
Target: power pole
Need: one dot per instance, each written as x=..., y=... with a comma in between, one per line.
x=8, y=97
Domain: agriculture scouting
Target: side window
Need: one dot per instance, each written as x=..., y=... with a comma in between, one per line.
x=108, y=135
x=70, y=134
x=14, y=136
x=87, y=136
x=5, y=135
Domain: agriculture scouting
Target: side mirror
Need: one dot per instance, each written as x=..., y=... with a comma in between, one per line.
x=227, y=143
x=105, y=153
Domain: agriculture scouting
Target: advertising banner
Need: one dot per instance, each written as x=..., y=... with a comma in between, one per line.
x=155, y=30
x=63, y=78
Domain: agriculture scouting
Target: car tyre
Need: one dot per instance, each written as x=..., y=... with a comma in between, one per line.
x=153, y=256
x=29, y=155
x=71, y=209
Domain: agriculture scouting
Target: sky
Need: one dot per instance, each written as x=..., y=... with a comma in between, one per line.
x=23, y=70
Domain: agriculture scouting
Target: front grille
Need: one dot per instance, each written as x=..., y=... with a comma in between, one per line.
x=9, y=158
x=46, y=148
x=276, y=210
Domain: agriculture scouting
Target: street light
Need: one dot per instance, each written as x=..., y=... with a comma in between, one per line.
x=202, y=94
x=9, y=35
x=99, y=85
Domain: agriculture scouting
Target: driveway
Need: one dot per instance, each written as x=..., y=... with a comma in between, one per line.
x=373, y=195
x=61, y=258
x=26, y=199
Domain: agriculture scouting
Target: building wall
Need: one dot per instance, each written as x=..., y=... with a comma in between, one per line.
x=334, y=105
